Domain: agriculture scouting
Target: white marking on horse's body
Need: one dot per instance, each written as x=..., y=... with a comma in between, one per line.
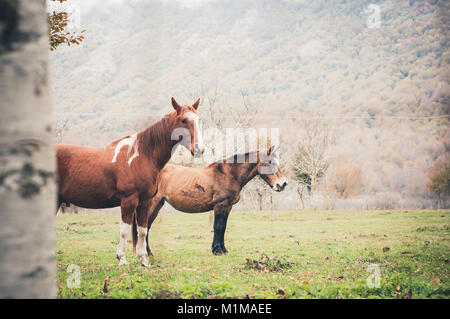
x=197, y=129
x=122, y=143
x=131, y=143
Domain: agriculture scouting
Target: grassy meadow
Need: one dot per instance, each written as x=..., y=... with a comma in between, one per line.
x=299, y=254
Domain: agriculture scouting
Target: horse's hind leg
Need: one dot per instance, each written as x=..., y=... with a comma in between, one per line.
x=152, y=217
x=134, y=234
x=156, y=204
x=128, y=206
x=141, y=221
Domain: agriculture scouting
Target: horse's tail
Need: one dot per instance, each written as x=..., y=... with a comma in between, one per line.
x=134, y=233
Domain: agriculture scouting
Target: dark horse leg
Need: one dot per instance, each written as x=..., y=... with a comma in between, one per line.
x=221, y=212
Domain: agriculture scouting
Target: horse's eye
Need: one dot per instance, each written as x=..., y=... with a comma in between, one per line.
x=184, y=121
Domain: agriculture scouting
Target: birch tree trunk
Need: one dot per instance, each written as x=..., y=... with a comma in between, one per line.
x=27, y=182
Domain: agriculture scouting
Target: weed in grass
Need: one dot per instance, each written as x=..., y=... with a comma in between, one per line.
x=269, y=264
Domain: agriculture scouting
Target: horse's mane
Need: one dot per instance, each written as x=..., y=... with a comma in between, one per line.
x=233, y=158
x=155, y=134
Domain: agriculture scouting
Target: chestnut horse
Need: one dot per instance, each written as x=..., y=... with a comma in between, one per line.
x=124, y=173
x=215, y=187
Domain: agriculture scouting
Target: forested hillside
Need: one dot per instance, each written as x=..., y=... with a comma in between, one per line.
x=384, y=90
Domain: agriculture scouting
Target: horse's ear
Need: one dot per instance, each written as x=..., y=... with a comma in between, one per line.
x=176, y=106
x=271, y=149
x=196, y=104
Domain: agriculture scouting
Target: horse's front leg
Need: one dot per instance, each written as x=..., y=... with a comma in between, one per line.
x=128, y=206
x=221, y=212
x=142, y=222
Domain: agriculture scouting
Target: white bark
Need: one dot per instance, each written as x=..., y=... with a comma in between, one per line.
x=27, y=187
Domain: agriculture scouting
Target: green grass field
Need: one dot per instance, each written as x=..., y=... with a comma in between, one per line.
x=300, y=254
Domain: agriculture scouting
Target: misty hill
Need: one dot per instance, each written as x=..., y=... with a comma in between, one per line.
x=386, y=88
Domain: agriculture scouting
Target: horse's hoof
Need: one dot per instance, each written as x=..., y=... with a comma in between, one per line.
x=218, y=251
x=144, y=262
x=123, y=262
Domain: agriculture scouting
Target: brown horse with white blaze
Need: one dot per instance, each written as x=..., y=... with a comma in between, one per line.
x=125, y=172
x=215, y=187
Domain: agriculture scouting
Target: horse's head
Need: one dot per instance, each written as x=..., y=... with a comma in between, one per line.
x=270, y=171
x=188, y=127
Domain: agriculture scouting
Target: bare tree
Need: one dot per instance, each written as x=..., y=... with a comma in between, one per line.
x=345, y=178
x=311, y=158
x=27, y=187
x=439, y=183
x=245, y=116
